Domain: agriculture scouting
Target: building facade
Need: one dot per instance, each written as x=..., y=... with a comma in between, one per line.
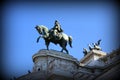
x=55, y=65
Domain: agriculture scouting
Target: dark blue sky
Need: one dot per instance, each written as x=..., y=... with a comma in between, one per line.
x=85, y=22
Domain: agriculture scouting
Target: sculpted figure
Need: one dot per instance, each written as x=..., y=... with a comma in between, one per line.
x=85, y=51
x=57, y=26
x=55, y=31
x=63, y=40
x=90, y=48
x=96, y=45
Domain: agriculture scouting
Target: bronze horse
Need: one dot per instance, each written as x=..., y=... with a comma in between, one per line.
x=62, y=41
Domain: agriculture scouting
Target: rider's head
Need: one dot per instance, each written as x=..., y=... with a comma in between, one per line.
x=56, y=22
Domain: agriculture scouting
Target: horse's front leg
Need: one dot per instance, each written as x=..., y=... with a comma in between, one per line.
x=38, y=39
x=47, y=44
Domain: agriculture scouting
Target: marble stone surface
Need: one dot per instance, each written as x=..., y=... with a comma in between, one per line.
x=55, y=63
x=92, y=58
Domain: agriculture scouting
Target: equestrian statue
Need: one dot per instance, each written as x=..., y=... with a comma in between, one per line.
x=54, y=35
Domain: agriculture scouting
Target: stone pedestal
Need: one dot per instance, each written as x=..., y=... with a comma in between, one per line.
x=56, y=65
x=91, y=59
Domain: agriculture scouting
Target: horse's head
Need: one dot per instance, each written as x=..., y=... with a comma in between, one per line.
x=38, y=28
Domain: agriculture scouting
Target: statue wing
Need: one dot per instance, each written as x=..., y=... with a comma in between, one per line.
x=99, y=42
x=90, y=48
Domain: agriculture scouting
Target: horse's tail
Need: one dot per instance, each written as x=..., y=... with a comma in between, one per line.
x=70, y=41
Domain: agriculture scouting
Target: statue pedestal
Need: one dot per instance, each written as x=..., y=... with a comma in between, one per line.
x=91, y=59
x=56, y=65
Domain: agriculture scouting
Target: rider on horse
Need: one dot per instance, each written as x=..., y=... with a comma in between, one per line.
x=57, y=38
x=56, y=30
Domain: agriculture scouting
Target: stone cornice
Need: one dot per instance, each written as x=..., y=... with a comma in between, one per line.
x=54, y=53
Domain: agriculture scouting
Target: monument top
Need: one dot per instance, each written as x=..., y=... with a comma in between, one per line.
x=92, y=57
x=54, y=35
x=54, y=53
